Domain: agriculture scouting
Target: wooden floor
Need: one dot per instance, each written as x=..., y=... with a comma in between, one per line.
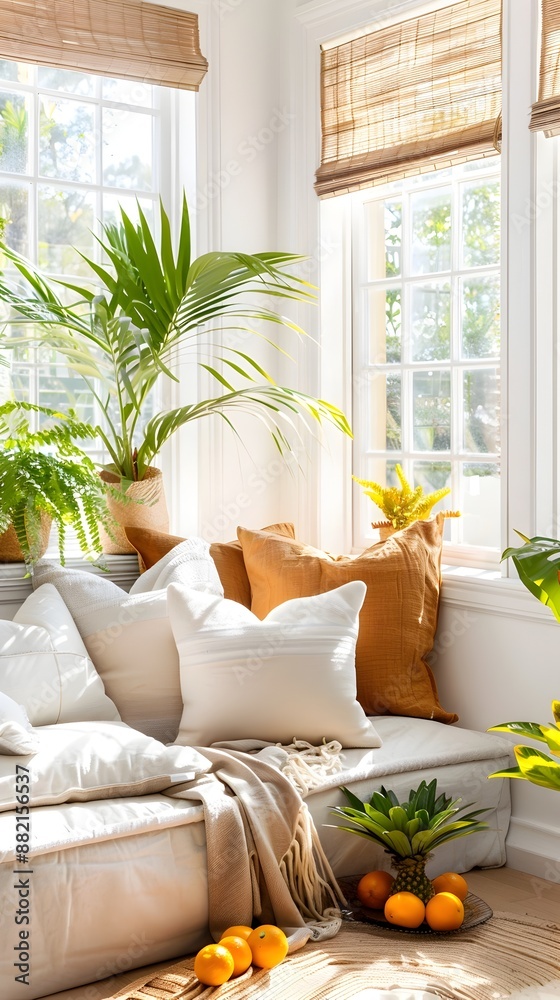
x=505, y=890
x=509, y=891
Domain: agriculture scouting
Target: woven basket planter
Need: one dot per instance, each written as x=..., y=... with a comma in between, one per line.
x=151, y=512
x=10, y=549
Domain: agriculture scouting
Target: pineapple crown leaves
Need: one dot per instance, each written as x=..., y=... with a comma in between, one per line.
x=405, y=504
x=412, y=827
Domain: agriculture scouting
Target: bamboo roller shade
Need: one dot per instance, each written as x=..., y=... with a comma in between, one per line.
x=545, y=113
x=411, y=97
x=119, y=38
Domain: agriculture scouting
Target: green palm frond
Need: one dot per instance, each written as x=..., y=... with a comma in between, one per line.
x=155, y=306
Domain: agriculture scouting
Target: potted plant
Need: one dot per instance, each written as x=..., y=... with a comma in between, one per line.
x=155, y=302
x=537, y=562
x=402, y=506
x=45, y=477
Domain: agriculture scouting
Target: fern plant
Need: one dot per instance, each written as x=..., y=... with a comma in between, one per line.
x=406, y=504
x=45, y=472
x=156, y=305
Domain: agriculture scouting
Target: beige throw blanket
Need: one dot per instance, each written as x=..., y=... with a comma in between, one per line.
x=265, y=860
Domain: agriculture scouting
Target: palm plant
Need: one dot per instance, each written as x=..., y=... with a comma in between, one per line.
x=45, y=474
x=409, y=831
x=405, y=504
x=155, y=303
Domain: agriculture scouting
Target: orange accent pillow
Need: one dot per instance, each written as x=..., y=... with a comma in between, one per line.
x=152, y=546
x=398, y=619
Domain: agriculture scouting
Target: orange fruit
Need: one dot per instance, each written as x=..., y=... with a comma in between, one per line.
x=373, y=890
x=451, y=882
x=269, y=946
x=213, y=965
x=240, y=952
x=238, y=930
x=444, y=912
x=404, y=909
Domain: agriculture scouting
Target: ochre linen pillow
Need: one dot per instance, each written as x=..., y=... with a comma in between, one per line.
x=151, y=546
x=398, y=619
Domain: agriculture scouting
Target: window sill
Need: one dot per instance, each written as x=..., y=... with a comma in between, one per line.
x=15, y=586
x=485, y=591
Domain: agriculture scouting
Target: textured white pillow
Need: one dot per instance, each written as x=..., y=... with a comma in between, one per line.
x=44, y=664
x=16, y=733
x=97, y=760
x=129, y=637
x=290, y=675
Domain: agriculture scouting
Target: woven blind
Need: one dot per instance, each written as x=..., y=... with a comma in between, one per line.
x=411, y=97
x=121, y=38
x=545, y=113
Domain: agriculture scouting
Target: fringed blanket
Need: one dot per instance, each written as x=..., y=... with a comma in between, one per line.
x=265, y=860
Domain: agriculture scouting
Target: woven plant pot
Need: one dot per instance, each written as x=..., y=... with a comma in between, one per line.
x=385, y=529
x=150, y=513
x=10, y=549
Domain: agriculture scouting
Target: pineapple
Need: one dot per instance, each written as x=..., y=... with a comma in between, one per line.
x=409, y=831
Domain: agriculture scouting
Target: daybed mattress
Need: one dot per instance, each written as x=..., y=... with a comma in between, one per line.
x=121, y=883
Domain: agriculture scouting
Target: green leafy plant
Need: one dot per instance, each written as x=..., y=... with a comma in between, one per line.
x=537, y=562
x=406, y=504
x=533, y=765
x=156, y=304
x=46, y=473
x=410, y=830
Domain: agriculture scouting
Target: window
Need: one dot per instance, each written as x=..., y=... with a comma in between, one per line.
x=426, y=343
x=73, y=146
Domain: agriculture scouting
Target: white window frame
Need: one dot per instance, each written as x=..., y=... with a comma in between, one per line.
x=530, y=470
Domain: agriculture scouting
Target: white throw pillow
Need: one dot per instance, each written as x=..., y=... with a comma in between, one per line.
x=44, y=664
x=129, y=637
x=290, y=675
x=16, y=732
x=79, y=761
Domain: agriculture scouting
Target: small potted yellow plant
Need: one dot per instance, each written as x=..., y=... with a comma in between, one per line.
x=402, y=505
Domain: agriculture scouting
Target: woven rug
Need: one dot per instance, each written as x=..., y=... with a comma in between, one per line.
x=498, y=959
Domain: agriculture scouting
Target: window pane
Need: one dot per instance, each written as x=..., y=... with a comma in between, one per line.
x=432, y=410
x=432, y=476
x=128, y=92
x=21, y=382
x=481, y=223
x=431, y=322
x=385, y=320
x=67, y=140
x=59, y=389
x=481, y=318
x=431, y=231
x=15, y=71
x=14, y=209
x=384, y=233
x=480, y=504
x=65, y=219
x=384, y=392
x=67, y=80
x=14, y=133
x=127, y=149
x=129, y=203
x=481, y=410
